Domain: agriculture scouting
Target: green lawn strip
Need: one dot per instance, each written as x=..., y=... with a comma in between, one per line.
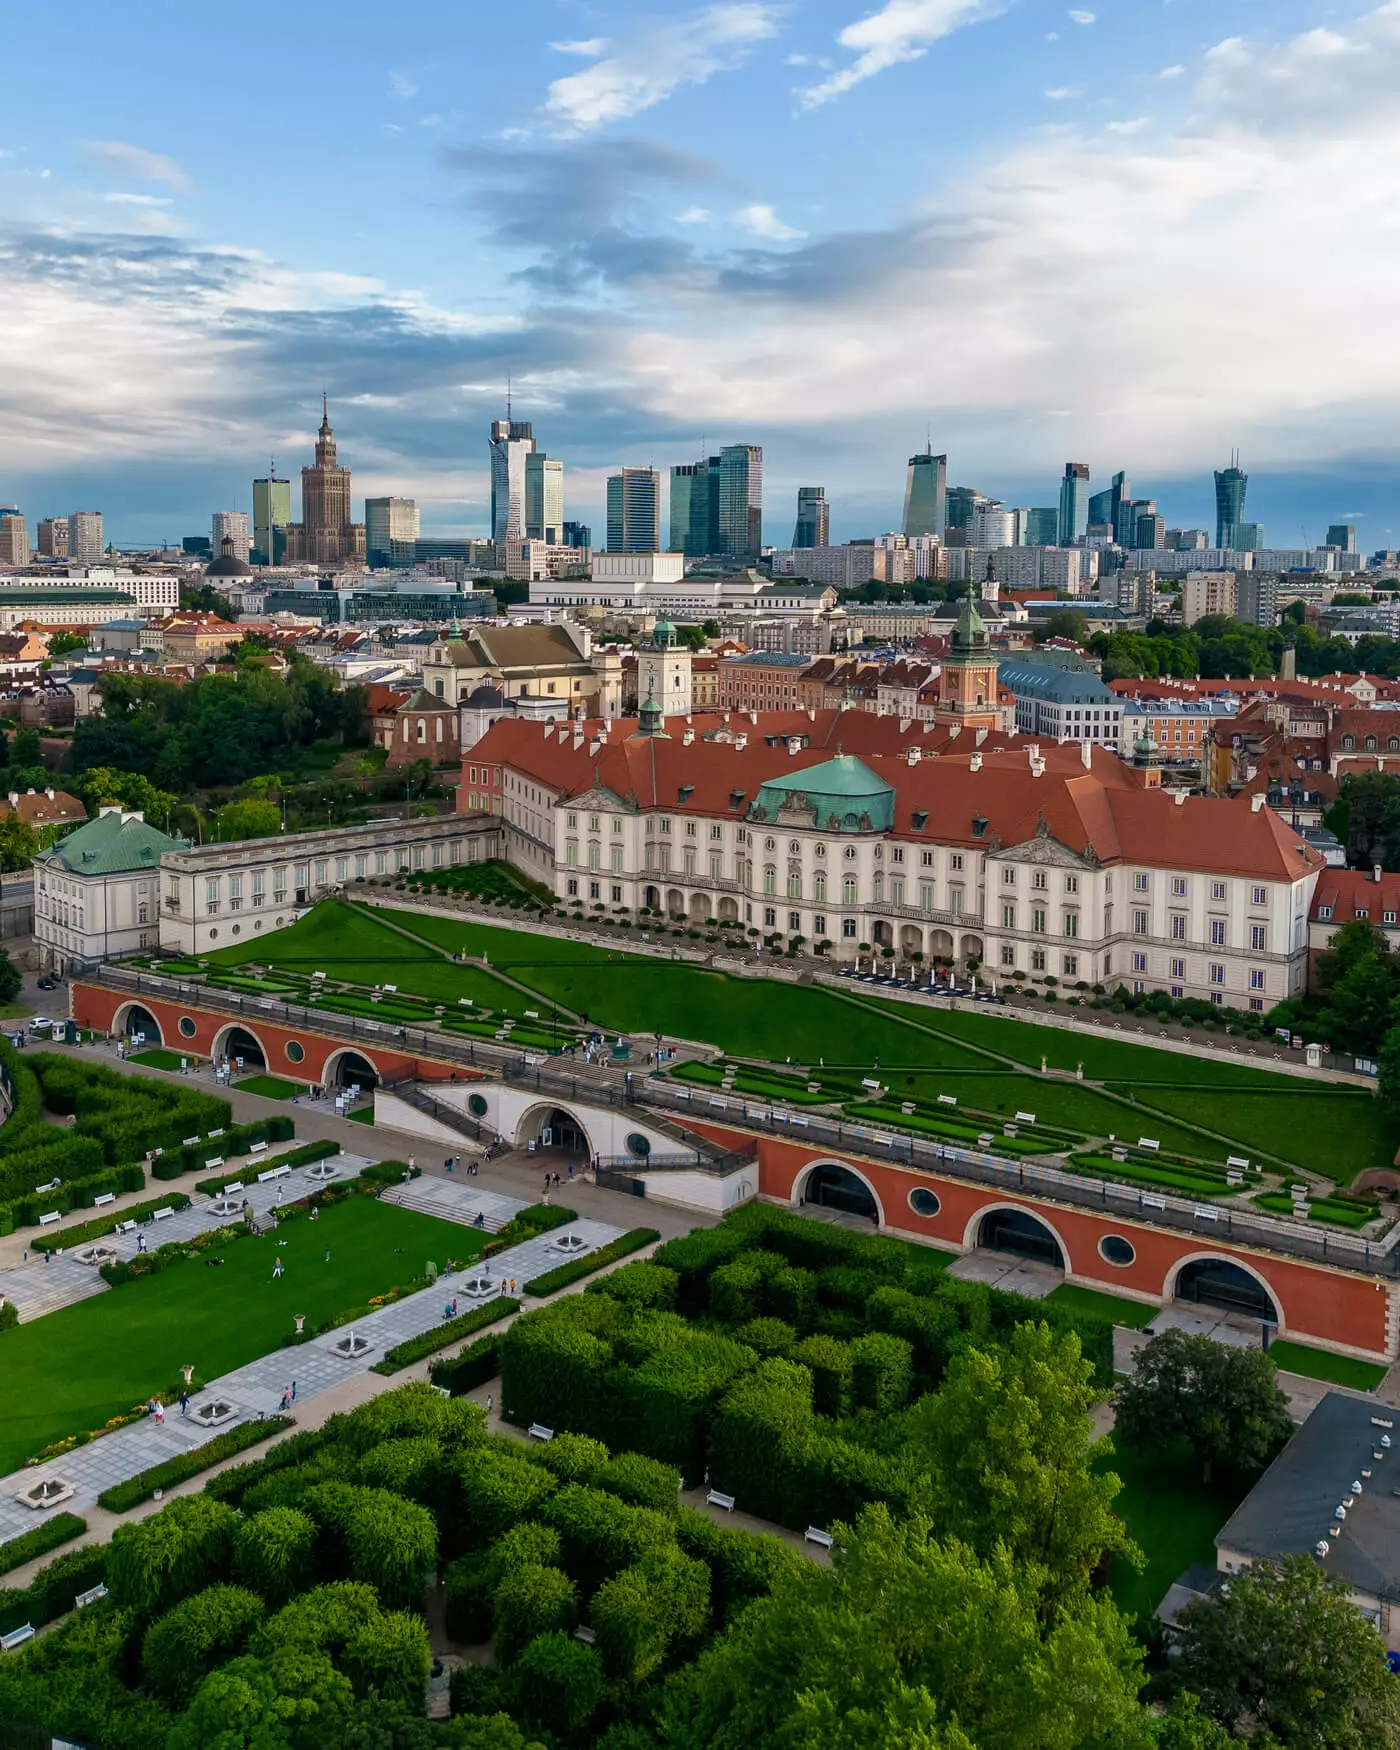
x=1333, y=1211
x=158, y=1058
x=1331, y=1130
x=789, y=1090
x=957, y=1130
x=270, y=1087
x=1132, y=1314
x=364, y=1115
x=72, y=1370
x=1156, y=1175
x=1172, y=1516
x=1292, y=1357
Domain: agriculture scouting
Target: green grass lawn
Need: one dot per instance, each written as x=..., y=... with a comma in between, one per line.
x=159, y=1058
x=362, y=1115
x=1332, y=1211
x=1293, y=1357
x=270, y=1087
x=71, y=1370
x=1131, y=1313
x=1339, y=1132
x=1172, y=1516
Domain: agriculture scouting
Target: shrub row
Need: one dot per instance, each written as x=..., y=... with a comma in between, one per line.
x=54, y=1589
x=294, y=1157
x=88, y=1231
x=577, y=1268
x=478, y=1362
x=124, y=1496
x=405, y=1354
x=526, y=1224
x=80, y=1193
x=236, y=1139
x=130, y=1115
x=231, y=1485
x=47, y=1535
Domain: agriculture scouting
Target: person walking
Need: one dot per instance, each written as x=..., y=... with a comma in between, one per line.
x=490, y=1405
x=184, y=1403
x=294, y=1391
x=286, y=1403
x=276, y=1268
x=160, y=1414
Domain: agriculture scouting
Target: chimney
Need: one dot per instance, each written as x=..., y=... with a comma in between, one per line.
x=912, y=756
x=594, y=745
x=1037, y=768
x=1256, y=802
x=687, y=738
x=741, y=740
x=1181, y=796
x=975, y=763
x=1376, y=874
x=1086, y=754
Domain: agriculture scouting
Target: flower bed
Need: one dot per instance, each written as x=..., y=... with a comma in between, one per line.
x=122, y=1497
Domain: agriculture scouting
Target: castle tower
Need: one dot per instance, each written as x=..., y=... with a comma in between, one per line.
x=967, y=681
x=664, y=672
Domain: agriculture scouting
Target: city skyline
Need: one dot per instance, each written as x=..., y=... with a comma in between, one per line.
x=587, y=220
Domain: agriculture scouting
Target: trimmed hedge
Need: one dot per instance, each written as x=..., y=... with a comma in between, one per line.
x=54, y=1590
x=47, y=1535
x=405, y=1354
x=105, y=1224
x=480, y=1361
x=123, y=1496
x=233, y=1484
x=235, y=1139
x=528, y=1224
x=294, y=1157
x=577, y=1268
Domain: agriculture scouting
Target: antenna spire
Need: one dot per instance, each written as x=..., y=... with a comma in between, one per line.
x=508, y=413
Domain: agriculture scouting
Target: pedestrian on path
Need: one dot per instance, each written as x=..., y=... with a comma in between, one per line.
x=490, y=1404
x=184, y=1403
x=286, y=1403
x=276, y=1268
x=294, y=1391
x=160, y=1414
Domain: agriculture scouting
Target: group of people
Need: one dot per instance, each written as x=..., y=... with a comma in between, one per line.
x=289, y=1397
x=452, y=1163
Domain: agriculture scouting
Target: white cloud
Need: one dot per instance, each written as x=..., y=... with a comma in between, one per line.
x=902, y=30
x=762, y=221
x=663, y=57
x=695, y=216
x=588, y=47
x=138, y=200
x=1059, y=93
x=1173, y=72
x=1135, y=126
x=1079, y=16
x=402, y=85
x=135, y=161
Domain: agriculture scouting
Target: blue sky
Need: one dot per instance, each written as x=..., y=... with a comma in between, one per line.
x=1137, y=233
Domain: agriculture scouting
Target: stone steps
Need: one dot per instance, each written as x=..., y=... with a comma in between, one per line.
x=428, y=1197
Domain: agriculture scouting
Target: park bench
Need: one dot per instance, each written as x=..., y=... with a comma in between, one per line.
x=1149, y=1142
x=91, y=1596
x=212, y=1134
x=104, y=1199
x=1237, y=1161
x=126, y=1227
x=273, y=1173
x=17, y=1637
x=1025, y=1117
x=49, y=1219
x=947, y=1099
x=42, y=1190
x=716, y=1498
x=586, y=1635
x=1150, y=1200
x=538, y=1431
x=815, y=1534
x=1204, y=1212
x=190, y=1142
x=258, y=1148
x=215, y=1161
x=162, y=1214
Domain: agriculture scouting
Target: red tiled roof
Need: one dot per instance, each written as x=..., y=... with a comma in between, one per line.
x=1341, y=892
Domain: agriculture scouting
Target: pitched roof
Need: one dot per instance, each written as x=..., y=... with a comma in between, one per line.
x=113, y=844
x=514, y=647
x=1343, y=894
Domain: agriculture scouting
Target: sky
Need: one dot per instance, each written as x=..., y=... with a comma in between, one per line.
x=1135, y=233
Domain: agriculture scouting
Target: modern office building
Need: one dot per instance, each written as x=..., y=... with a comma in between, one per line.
x=961, y=504
x=14, y=536
x=391, y=531
x=511, y=441
x=1074, y=503
x=995, y=526
x=695, y=507
x=1109, y=510
x=52, y=534
x=578, y=535
x=1251, y=536
x=740, y=501
x=86, y=543
x=1342, y=535
x=634, y=511
x=1042, y=527
x=813, y=527
x=272, y=514
x=544, y=498
x=925, y=496
x=234, y=525
x=1231, y=484
x=1147, y=529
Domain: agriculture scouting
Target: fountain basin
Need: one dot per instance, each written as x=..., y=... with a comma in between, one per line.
x=95, y=1256
x=570, y=1244
x=47, y=1492
x=210, y=1415
x=353, y=1345
x=322, y=1170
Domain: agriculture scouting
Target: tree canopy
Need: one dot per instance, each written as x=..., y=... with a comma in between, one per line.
x=1226, y=1402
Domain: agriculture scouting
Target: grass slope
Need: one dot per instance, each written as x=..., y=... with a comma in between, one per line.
x=71, y=1370
x=1290, y=1357
x=1172, y=1516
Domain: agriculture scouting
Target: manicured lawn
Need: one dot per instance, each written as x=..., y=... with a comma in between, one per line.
x=1333, y=1211
x=1172, y=1516
x=1337, y=1132
x=1132, y=1314
x=1319, y=1364
x=1161, y=1176
x=71, y=1370
x=159, y=1058
x=362, y=1115
x=270, y=1087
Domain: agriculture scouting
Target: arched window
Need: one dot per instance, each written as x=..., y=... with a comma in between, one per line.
x=794, y=887
x=1349, y=742
x=848, y=890
x=879, y=887
x=770, y=879
x=1371, y=743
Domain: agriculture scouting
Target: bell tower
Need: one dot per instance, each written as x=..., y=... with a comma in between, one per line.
x=967, y=681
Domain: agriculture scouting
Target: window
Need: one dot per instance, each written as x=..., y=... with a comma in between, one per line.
x=819, y=926
x=897, y=854
x=1037, y=960
x=1217, y=932
x=1008, y=917
x=1256, y=1003
x=571, y=821
x=380, y=861
x=955, y=861
x=1178, y=927
x=571, y=854
x=1008, y=955
x=1139, y=883
x=593, y=824
x=1259, y=938
x=926, y=859
x=1008, y=878
x=794, y=890
x=1141, y=921
x=1071, y=923
x=770, y=879
x=1139, y=963
x=320, y=874
x=1178, y=969
x=211, y=895
x=1256, y=978
x=1039, y=880
x=1179, y=886
x=896, y=890
x=340, y=868
x=850, y=853
x=1114, y=1249
x=594, y=890
x=955, y=901
x=1217, y=890
x=1217, y=972
x=1038, y=919
x=1069, y=965
x=794, y=921
x=923, y=1201
x=1259, y=896
x=716, y=832
x=848, y=929
x=572, y=887
x=1071, y=884
x=617, y=861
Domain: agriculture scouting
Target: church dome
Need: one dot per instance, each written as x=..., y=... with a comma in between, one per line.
x=227, y=564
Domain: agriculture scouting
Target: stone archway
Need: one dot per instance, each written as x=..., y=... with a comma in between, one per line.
x=700, y=908
x=729, y=911
x=940, y=944
x=675, y=902
x=558, y=1129
x=134, y=1019
x=651, y=897
x=971, y=948
x=1226, y=1285
x=1009, y=1227
x=911, y=940
x=350, y=1069
x=238, y=1041
x=839, y=1186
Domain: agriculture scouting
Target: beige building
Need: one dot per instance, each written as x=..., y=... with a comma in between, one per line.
x=14, y=538
x=194, y=637
x=96, y=891
x=548, y=665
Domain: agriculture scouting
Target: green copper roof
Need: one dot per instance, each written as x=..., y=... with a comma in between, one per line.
x=969, y=629
x=112, y=845
x=842, y=794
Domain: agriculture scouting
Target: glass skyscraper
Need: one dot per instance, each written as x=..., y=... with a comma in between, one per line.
x=741, y=501
x=926, y=495
x=391, y=531
x=813, y=518
x=1231, y=484
x=634, y=511
x=1074, y=502
x=512, y=440
x=544, y=498
x=1042, y=527
x=272, y=511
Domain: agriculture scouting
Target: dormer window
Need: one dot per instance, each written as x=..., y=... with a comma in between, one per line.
x=979, y=826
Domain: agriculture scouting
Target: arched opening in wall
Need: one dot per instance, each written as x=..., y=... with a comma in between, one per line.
x=561, y=1133
x=729, y=911
x=1229, y=1287
x=1022, y=1234
x=972, y=949
x=347, y=1069
x=675, y=902
x=940, y=944
x=911, y=941
x=138, y=1023
x=700, y=908
x=651, y=897
x=238, y=1043
x=831, y=1186
x=881, y=934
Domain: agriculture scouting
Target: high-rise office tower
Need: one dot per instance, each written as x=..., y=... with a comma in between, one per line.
x=391, y=531
x=634, y=511
x=813, y=518
x=86, y=545
x=14, y=536
x=1074, y=503
x=1249, y=537
x=1110, y=509
x=695, y=498
x=1231, y=484
x=1042, y=526
x=1342, y=535
x=272, y=512
x=512, y=440
x=1149, y=531
x=741, y=501
x=578, y=535
x=327, y=531
x=234, y=524
x=961, y=504
x=52, y=534
x=544, y=498
x=993, y=526
x=926, y=495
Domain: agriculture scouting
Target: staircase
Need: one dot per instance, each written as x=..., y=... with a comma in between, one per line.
x=40, y=1289
x=415, y=1095
x=448, y=1201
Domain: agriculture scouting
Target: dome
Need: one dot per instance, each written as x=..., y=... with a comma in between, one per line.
x=485, y=698
x=843, y=795
x=227, y=564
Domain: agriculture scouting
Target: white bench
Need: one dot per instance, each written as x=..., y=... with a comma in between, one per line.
x=1203, y=1212
x=1237, y=1161
x=258, y=1148
x=215, y=1161
x=91, y=1596
x=1149, y=1142
x=586, y=1635
x=106, y=1198
x=1025, y=1117
x=947, y=1099
x=126, y=1227
x=162, y=1214
x=17, y=1637
x=538, y=1431
x=53, y=1185
x=815, y=1534
x=273, y=1173
x=716, y=1498
x=49, y=1219
x=230, y=1188
x=191, y=1142
x=212, y=1134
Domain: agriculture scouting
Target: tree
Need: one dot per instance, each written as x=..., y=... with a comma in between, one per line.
x=1066, y=623
x=1388, y=1066
x=133, y=790
x=1013, y=1458
x=18, y=844
x=1283, y=1656
x=1225, y=1402
x=1372, y=804
x=260, y=1703
x=10, y=979
x=60, y=643
x=182, y=1549
x=199, y=1633
x=248, y=819
x=25, y=751
x=274, y=1552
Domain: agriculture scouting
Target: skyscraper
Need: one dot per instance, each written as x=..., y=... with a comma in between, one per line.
x=272, y=512
x=14, y=536
x=1149, y=530
x=578, y=535
x=512, y=440
x=544, y=498
x=1074, y=503
x=926, y=495
x=234, y=524
x=53, y=537
x=327, y=533
x=634, y=511
x=1110, y=509
x=961, y=506
x=1042, y=527
x=741, y=501
x=695, y=507
x=86, y=545
x=391, y=529
x=813, y=518
x=1342, y=535
x=1230, y=487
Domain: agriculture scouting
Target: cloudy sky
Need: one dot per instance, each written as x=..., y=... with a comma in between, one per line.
x=1137, y=233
